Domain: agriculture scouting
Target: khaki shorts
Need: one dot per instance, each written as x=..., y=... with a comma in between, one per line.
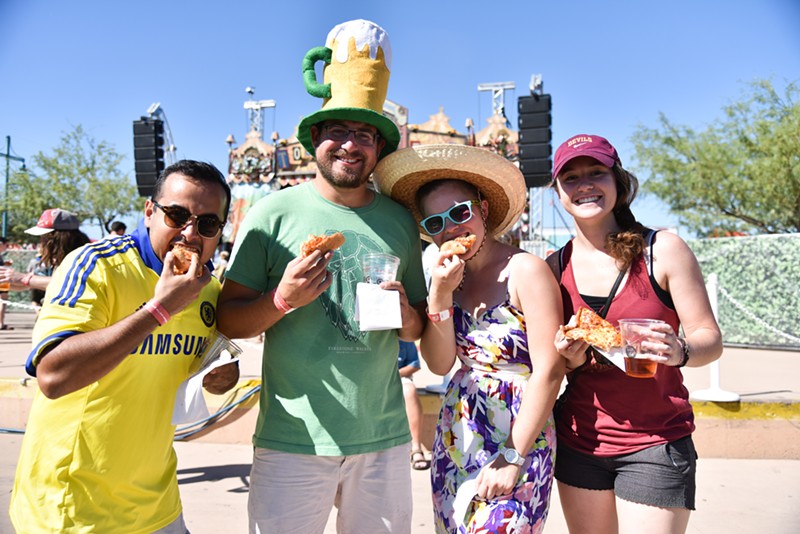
x=296, y=492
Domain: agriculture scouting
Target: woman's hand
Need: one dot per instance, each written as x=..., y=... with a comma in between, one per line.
x=661, y=344
x=497, y=478
x=572, y=350
x=448, y=272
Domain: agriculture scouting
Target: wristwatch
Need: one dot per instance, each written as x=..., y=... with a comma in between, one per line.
x=513, y=456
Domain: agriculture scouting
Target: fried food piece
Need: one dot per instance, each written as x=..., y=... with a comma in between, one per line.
x=182, y=258
x=323, y=243
x=459, y=245
x=593, y=329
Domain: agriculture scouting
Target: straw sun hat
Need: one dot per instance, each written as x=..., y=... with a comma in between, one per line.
x=401, y=174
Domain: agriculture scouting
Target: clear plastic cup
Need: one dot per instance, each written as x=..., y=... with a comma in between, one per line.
x=6, y=286
x=379, y=267
x=633, y=333
x=212, y=348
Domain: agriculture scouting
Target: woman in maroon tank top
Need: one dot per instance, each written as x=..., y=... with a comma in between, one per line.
x=625, y=456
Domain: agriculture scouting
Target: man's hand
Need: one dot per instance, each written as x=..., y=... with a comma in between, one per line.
x=221, y=379
x=305, y=279
x=176, y=291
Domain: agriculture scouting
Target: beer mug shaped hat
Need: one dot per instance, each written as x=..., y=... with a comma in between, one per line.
x=498, y=180
x=358, y=59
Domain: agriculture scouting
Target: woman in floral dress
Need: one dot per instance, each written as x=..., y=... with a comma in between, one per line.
x=497, y=309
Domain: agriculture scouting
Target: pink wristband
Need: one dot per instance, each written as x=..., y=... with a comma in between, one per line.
x=26, y=280
x=280, y=303
x=157, y=310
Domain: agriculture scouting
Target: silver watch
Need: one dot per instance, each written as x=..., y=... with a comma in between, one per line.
x=513, y=456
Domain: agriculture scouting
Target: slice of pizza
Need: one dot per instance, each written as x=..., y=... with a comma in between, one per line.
x=459, y=245
x=323, y=243
x=593, y=329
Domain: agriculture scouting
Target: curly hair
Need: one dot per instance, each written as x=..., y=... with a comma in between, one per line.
x=625, y=245
x=58, y=243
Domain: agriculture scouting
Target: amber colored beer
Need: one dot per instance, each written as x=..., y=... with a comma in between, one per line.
x=5, y=287
x=640, y=367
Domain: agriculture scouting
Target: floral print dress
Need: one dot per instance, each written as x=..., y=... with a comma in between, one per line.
x=479, y=407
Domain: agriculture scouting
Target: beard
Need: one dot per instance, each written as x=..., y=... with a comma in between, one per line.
x=346, y=177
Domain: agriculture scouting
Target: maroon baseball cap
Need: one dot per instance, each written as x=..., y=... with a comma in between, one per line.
x=593, y=146
x=54, y=219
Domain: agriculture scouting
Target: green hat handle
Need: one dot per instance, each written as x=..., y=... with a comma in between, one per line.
x=319, y=53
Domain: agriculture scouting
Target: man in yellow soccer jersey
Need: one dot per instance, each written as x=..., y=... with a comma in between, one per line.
x=114, y=340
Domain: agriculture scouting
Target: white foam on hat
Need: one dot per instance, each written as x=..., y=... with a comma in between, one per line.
x=365, y=33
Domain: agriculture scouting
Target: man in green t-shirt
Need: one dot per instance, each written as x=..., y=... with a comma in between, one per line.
x=332, y=426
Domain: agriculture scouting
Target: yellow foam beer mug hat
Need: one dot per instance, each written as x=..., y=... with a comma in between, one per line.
x=358, y=58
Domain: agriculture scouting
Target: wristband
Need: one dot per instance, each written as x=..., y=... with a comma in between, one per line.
x=684, y=352
x=26, y=280
x=440, y=316
x=280, y=302
x=157, y=310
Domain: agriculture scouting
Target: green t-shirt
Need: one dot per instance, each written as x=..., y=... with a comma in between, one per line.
x=328, y=388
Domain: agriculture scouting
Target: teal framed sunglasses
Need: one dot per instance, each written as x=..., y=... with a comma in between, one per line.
x=458, y=214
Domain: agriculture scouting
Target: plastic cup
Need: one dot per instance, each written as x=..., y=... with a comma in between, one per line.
x=212, y=348
x=5, y=287
x=633, y=333
x=379, y=267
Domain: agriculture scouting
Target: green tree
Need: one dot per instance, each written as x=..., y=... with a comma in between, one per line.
x=741, y=174
x=81, y=175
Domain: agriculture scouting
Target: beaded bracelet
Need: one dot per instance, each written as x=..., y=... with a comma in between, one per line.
x=158, y=311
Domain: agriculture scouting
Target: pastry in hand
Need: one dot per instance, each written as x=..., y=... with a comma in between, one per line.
x=460, y=245
x=593, y=329
x=323, y=243
x=181, y=258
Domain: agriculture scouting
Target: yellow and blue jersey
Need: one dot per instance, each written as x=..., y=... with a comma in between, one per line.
x=102, y=455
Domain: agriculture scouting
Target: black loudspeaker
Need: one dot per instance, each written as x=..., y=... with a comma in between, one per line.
x=535, y=150
x=148, y=153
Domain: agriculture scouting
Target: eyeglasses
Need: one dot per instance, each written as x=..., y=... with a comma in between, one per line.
x=177, y=217
x=459, y=214
x=340, y=134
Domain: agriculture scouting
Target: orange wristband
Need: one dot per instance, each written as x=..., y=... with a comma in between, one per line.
x=157, y=310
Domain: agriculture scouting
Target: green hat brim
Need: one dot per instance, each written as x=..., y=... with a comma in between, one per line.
x=386, y=127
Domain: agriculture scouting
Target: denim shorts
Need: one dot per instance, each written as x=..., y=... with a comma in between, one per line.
x=662, y=475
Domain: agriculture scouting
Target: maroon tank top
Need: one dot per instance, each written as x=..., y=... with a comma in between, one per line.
x=606, y=412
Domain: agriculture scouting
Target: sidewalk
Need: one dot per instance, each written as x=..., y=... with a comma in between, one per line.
x=734, y=495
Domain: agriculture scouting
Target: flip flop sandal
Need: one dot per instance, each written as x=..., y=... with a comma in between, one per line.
x=418, y=460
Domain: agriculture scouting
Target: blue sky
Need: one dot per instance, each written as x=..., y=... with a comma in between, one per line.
x=609, y=66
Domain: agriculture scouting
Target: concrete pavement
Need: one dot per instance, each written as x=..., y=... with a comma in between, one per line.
x=734, y=495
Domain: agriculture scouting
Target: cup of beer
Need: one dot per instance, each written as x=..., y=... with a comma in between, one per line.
x=5, y=287
x=633, y=333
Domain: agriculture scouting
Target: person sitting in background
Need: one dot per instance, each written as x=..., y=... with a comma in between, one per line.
x=59, y=234
x=408, y=364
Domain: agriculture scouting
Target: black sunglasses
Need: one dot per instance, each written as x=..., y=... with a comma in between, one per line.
x=177, y=217
x=459, y=214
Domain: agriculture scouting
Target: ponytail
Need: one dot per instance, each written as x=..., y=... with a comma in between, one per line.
x=627, y=244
